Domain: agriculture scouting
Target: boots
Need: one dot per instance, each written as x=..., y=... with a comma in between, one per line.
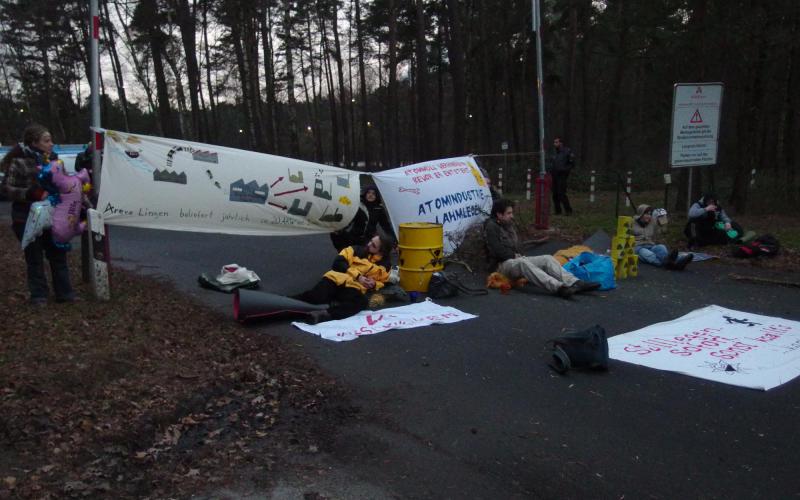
x=669, y=262
x=682, y=261
x=678, y=263
x=315, y=317
x=585, y=286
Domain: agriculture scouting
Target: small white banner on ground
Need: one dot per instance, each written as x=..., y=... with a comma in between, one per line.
x=396, y=318
x=719, y=344
x=451, y=192
x=161, y=183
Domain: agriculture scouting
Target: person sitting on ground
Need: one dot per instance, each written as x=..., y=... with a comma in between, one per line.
x=646, y=227
x=371, y=216
x=709, y=224
x=543, y=271
x=355, y=271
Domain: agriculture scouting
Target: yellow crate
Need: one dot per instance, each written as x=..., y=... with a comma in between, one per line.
x=624, y=224
x=621, y=269
x=631, y=242
x=617, y=247
x=633, y=266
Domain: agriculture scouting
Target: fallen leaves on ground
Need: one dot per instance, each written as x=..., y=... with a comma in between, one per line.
x=147, y=395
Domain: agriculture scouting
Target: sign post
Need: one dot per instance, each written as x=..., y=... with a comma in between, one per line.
x=695, y=126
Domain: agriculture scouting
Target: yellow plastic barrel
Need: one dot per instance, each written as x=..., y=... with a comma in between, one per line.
x=421, y=254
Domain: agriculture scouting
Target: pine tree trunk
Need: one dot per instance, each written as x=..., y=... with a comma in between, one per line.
x=455, y=48
x=116, y=67
x=186, y=19
x=363, y=89
x=344, y=100
x=421, y=51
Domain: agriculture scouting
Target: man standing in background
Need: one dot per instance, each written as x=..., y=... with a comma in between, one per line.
x=561, y=162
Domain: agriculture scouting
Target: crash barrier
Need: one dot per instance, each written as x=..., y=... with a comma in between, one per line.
x=421, y=254
x=626, y=262
x=251, y=304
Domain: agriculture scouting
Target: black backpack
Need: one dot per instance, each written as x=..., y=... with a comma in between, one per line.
x=584, y=349
x=766, y=245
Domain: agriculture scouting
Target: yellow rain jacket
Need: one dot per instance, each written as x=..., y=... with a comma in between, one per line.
x=359, y=262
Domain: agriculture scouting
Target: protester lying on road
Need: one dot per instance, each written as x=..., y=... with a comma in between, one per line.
x=646, y=228
x=370, y=217
x=710, y=225
x=355, y=271
x=542, y=270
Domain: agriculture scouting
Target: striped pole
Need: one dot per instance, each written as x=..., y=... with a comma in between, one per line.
x=628, y=189
x=591, y=188
x=500, y=180
x=528, y=185
x=753, y=178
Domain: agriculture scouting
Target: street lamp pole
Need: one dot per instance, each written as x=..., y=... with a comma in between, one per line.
x=542, y=207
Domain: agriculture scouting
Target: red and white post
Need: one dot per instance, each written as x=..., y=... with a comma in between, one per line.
x=528, y=185
x=591, y=188
x=628, y=189
x=500, y=180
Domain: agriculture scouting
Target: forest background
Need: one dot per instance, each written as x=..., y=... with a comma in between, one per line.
x=374, y=84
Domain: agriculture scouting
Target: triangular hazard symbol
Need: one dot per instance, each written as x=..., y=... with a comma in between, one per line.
x=696, y=118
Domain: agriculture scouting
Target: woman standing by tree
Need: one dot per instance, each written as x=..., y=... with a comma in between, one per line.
x=21, y=166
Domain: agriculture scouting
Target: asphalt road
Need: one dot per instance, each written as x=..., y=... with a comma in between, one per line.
x=471, y=410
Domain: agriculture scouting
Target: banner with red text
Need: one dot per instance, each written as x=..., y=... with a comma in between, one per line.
x=451, y=192
x=161, y=183
x=719, y=344
x=395, y=318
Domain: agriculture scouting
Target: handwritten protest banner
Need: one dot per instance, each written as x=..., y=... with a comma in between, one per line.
x=719, y=344
x=161, y=183
x=396, y=318
x=451, y=192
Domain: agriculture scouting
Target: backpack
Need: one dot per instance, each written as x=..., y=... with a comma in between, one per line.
x=766, y=244
x=584, y=349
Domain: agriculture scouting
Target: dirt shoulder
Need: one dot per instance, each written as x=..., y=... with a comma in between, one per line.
x=147, y=395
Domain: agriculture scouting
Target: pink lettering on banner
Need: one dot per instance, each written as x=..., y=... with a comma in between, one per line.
x=641, y=351
x=772, y=332
x=371, y=321
x=681, y=345
x=734, y=351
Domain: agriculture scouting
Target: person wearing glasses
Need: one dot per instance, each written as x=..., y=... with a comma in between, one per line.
x=357, y=269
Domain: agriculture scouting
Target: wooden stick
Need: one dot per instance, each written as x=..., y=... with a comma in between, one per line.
x=768, y=281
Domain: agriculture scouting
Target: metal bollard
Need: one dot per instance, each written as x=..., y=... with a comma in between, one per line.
x=591, y=188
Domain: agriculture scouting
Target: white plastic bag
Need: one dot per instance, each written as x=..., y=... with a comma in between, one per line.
x=39, y=219
x=233, y=274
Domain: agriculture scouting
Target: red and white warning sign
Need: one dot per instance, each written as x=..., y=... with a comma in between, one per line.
x=695, y=124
